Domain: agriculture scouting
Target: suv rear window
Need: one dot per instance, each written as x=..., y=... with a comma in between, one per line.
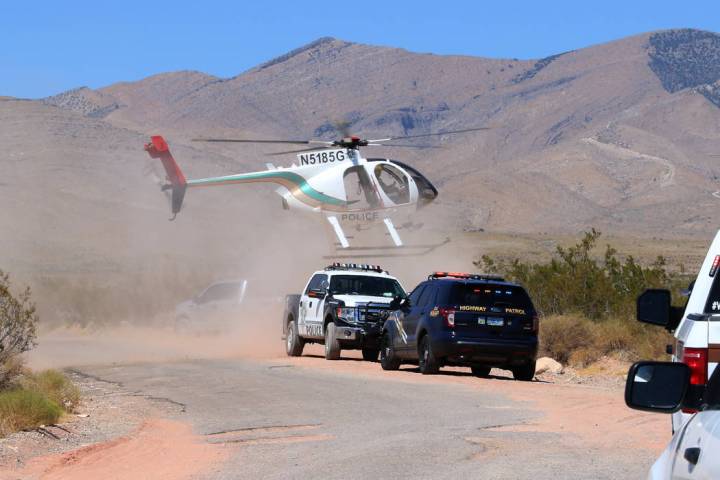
x=485, y=295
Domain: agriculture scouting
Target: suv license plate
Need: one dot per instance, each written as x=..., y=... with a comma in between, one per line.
x=495, y=322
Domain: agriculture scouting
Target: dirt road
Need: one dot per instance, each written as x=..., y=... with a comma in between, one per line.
x=278, y=417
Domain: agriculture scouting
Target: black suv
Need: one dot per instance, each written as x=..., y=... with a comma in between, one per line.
x=460, y=319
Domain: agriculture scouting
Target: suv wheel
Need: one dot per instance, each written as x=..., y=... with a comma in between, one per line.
x=525, y=373
x=428, y=363
x=370, y=354
x=294, y=344
x=480, y=371
x=332, y=345
x=388, y=358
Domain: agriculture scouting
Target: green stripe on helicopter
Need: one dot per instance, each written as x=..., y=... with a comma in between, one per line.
x=272, y=176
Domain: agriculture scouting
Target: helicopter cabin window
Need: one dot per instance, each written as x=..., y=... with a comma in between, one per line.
x=359, y=191
x=394, y=183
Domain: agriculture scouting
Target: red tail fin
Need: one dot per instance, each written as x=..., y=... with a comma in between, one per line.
x=158, y=148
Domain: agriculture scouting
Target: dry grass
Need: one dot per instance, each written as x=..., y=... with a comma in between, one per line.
x=578, y=341
x=56, y=386
x=22, y=409
x=35, y=400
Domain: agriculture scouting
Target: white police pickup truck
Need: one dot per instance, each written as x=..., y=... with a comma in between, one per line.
x=696, y=327
x=343, y=306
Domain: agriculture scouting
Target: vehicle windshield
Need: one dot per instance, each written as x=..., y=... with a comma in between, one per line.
x=486, y=295
x=368, y=286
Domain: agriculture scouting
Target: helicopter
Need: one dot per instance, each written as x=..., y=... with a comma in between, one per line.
x=330, y=178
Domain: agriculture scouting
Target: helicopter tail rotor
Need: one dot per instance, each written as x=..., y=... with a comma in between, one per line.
x=158, y=148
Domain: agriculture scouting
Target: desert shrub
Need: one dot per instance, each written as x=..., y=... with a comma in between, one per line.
x=22, y=409
x=18, y=322
x=578, y=341
x=587, y=301
x=576, y=281
x=54, y=385
x=561, y=335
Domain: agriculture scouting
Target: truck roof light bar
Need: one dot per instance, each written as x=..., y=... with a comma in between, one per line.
x=355, y=266
x=466, y=276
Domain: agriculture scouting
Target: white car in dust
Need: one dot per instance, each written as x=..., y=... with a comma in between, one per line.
x=216, y=309
x=666, y=387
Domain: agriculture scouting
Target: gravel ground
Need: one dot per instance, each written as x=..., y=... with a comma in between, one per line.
x=108, y=410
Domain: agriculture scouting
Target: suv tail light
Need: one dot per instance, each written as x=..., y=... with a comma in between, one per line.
x=448, y=315
x=697, y=360
x=535, y=324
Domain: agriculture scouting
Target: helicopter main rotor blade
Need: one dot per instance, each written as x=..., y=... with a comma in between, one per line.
x=314, y=149
x=242, y=140
x=401, y=146
x=430, y=134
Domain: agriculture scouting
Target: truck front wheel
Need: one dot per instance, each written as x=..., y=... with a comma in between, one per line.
x=388, y=358
x=294, y=343
x=332, y=345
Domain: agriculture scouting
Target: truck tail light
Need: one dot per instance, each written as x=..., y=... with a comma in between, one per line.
x=697, y=360
x=448, y=315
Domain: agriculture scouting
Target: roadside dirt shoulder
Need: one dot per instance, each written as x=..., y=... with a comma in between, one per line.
x=116, y=433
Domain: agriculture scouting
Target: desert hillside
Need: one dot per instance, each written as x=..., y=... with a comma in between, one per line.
x=616, y=135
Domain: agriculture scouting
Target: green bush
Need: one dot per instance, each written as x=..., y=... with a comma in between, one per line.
x=22, y=409
x=575, y=281
x=18, y=322
x=587, y=302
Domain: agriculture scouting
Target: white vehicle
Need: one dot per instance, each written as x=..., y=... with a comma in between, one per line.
x=696, y=327
x=343, y=306
x=665, y=387
x=216, y=309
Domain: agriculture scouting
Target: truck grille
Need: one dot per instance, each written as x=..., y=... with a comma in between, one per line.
x=373, y=314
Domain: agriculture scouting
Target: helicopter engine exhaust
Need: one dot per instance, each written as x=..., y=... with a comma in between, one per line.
x=158, y=148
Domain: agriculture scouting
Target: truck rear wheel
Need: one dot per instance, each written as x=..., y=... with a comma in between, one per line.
x=480, y=371
x=332, y=345
x=370, y=354
x=294, y=344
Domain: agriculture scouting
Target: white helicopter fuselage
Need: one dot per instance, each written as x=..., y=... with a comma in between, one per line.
x=340, y=183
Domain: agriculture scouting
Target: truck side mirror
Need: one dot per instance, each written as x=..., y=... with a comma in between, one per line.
x=317, y=293
x=657, y=386
x=654, y=306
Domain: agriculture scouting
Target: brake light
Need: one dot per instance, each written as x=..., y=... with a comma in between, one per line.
x=448, y=315
x=536, y=324
x=697, y=360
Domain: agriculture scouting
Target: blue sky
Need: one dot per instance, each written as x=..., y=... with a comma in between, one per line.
x=48, y=47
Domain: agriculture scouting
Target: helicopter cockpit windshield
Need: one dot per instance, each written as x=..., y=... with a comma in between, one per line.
x=426, y=190
x=394, y=183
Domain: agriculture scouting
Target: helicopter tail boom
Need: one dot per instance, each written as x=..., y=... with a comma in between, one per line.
x=158, y=148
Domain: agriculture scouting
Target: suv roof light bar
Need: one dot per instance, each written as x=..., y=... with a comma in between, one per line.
x=355, y=266
x=467, y=276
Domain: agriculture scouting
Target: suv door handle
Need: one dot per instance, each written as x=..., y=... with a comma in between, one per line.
x=692, y=455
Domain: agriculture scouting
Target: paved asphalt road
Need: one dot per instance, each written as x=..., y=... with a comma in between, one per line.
x=288, y=420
